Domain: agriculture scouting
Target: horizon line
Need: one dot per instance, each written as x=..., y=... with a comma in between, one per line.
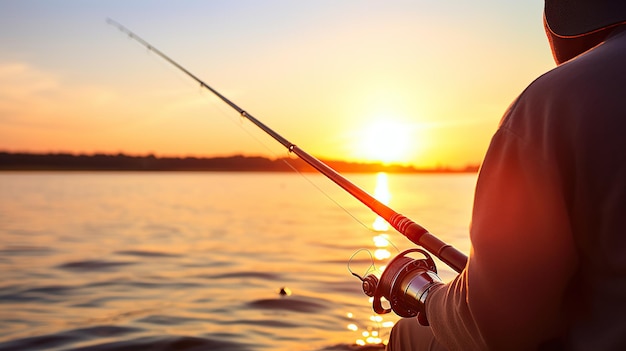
x=151, y=161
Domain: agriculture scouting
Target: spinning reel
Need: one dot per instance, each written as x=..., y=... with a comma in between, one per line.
x=405, y=283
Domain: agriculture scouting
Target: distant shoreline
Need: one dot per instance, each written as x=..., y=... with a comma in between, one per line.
x=17, y=161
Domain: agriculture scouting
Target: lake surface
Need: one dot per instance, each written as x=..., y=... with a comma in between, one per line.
x=195, y=261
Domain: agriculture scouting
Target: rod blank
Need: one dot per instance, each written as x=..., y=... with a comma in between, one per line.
x=413, y=231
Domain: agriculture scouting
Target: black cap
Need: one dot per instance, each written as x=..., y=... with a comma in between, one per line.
x=572, y=18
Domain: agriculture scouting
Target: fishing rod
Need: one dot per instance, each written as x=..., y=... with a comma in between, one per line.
x=411, y=230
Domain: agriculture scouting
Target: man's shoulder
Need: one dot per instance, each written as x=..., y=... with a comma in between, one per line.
x=582, y=98
x=600, y=72
x=592, y=83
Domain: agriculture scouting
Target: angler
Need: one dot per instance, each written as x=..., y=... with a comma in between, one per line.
x=547, y=268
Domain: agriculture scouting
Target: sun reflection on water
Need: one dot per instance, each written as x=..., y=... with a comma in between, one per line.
x=381, y=241
x=377, y=327
x=370, y=335
x=382, y=194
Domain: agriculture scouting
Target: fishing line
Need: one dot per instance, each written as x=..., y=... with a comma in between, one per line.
x=328, y=196
x=411, y=230
x=310, y=181
x=227, y=115
x=370, y=268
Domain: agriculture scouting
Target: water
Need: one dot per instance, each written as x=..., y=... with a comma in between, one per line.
x=186, y=261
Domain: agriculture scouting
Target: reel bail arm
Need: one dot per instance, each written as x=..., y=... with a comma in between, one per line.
x=405, y=284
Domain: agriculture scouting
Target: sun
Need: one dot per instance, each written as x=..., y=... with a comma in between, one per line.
x=386, y=141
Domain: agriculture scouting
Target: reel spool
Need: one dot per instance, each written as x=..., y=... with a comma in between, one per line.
x=404, y=283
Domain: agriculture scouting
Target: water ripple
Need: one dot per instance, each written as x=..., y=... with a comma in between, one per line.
x=264, y=322
x=67, y=337
x=166, y=320
x=93, y=265
x=37, y=342
x=242, y=274
x=25, y=250
x=142, y=253
x=295, y=304
x=167, y=343
x=40, y=294
x=347, y=347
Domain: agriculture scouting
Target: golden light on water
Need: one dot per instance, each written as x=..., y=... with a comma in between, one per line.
x=382, y=254
x=380, y=225
x=371, y=334
x=376, y=331
x=376, y=318
x=381, y=240
x=382, y=194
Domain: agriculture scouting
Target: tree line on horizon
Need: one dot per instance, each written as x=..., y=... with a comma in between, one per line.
x=237, y=163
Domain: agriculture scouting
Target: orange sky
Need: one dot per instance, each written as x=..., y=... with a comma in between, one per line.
x=416, y=82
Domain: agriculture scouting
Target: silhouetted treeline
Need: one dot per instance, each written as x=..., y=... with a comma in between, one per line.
x=237, y=163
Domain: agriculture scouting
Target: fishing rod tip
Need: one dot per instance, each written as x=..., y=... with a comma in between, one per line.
x=113, y=22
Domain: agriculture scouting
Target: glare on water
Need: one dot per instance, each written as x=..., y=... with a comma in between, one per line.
x=382, y=194
x=94, y=259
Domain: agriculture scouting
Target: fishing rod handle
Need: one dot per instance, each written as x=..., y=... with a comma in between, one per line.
x=420, y=236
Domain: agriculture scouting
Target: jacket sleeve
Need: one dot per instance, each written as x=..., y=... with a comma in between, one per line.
x=510, y=295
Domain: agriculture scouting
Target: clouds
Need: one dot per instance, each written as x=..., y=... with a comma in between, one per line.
x=44, y=111
x=24, y=93
x=42, y=99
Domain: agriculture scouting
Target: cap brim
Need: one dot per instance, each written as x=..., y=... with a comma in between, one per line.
x=572, y=18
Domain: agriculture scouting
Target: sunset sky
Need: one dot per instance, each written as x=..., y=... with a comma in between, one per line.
x=416, y=82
